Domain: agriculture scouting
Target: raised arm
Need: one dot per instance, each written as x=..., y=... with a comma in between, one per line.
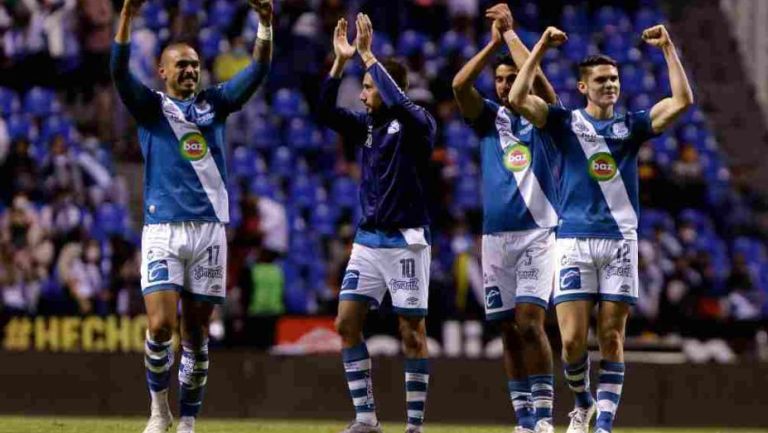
x=532, y=107
x=668, y=110
x=242, y=86
x=503, y=20
x=392, y=96
x=467, y=97
x=133, y=93
x=339, y=119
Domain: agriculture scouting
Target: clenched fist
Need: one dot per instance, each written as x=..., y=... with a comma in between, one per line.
x=657, y=36
x=553, y=37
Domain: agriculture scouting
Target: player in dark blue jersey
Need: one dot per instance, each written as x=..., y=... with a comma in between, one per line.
x=184, y=245
x=597, y=237
x=391, y=250
x=519, y=218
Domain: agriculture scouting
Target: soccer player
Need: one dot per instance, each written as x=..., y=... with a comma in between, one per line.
x=391, y=249
x=184, y=248
x=597, y=238
x=518, y=222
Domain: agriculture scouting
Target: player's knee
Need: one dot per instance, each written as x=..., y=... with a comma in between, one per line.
x=530, y=325
x=611, y=341
x=574, y=346
x=161, y=327
x=510, y=334
x=413, y=336
x=346, y=327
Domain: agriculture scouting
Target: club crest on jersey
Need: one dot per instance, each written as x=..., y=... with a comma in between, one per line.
x=620, y=130
x=493, y=298
x=517, y=158
x=394, y=127
x=193, y=146
x=602, y=166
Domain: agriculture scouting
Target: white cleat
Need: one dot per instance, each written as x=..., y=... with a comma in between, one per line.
x=580, y=419
x=186, y=425
x=520, y=429
x=544, y=426
x=160, y=418
x=159, y=422
x=600, y=430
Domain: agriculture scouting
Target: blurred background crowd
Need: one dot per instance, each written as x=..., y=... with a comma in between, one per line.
x=70, y=197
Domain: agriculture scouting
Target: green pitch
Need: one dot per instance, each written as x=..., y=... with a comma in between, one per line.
x=135, y=425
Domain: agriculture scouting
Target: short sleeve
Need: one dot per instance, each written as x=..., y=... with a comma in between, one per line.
x=558, y=117
x=640, y=126
x=487, y=118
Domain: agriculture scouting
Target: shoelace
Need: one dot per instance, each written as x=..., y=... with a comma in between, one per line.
x=577, y=416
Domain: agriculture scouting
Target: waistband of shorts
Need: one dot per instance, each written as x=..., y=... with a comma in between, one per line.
x=538, y=230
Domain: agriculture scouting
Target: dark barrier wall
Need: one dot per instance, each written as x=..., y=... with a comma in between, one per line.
x=244, y=384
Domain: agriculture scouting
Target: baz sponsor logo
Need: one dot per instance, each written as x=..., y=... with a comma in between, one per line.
x=409, y=285
x=157, y=271
x=570, y=278
x=201, y=272
x=517, y=158
x=193, y=146
x=493, y=298
x=351, y=279
x=602, y=167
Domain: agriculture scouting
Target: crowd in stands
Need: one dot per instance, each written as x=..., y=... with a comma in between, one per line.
x=68, y=243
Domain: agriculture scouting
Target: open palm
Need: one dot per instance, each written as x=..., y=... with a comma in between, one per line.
x=341, y=45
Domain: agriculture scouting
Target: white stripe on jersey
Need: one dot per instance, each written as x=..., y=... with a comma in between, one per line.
x=205, y=168
x=528, y=185
x=614, y=190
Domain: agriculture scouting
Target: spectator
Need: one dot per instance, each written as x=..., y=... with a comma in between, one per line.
x=60, y=170
x=743, y=297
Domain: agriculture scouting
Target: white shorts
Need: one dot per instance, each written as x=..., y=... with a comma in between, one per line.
x=189, y=257
x=596, y=269
x=518, y=268
x=402, y=271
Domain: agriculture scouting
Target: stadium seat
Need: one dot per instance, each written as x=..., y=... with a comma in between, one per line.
x=302, y=134
x=574, y=19
x=221, y=14
x=264, y=134
x=55, y=125
x=282, y=161
x=632, y=78
x=323, y=219
x=646, y=17
x=303, y=191
x=40, y=102
x=579, y=46
x=411, y=42
x=155, y=15
x=110, y=219
x=288, y=103
x=467, y=193
x=19, y=126
x=453, y=41
x=210, y=40
x=243, y=162
x=9, y=102
x=344, y=192
x=263, y=186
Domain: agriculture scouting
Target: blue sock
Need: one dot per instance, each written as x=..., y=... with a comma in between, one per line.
x=577, y=376
x=542, y=393
x=158, y=358
x=520, y=394
x=357, y=368
x=193, y=375
x=416, y=383
x=609, y=393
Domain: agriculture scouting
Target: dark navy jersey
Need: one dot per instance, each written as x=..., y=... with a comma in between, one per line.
x=396, y=145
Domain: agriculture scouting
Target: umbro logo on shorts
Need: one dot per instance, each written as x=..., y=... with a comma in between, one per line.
x=570, y=278
x=157, y=271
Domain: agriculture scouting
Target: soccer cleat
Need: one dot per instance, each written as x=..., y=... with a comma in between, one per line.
x=159, y=422
x=544, y=426
x=360, y=427
x=601, y=430
x=413, y=430
x=580, y=418
x=186, y=425
x=520, y=429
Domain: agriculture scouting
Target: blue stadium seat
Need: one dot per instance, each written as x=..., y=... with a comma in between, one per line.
x=458, y=135
x=411, y=42
x=40, y=102
x=282, y=162
x=527, y=14
x=344, y=192
x=55, y=125
x=632, y=78
x=579, y=47
x=574, y=19
x=303, y=191
x=243, y=162
x=467, y=193
x=453, y=41
x=641, y=101
x=382, y=46
x=617, y=46
x=221, y=14
x=302, y=134
x=110, y=219
x=19, y=126
x=155, y=15
x=609, y=18
x=264, y=134
x=263, y=186
x=190, y=7
x=652, y=218
x=646, y=17
x=9, y=102
x=210, y=40
x=288, y=103
x=698, y=219
x=323, y=219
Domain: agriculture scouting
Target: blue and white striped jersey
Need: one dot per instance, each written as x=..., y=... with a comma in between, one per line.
x=519, y=190
x=598, y=185
x=182, y=142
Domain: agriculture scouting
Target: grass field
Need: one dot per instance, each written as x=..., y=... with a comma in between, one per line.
x=135, y=425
